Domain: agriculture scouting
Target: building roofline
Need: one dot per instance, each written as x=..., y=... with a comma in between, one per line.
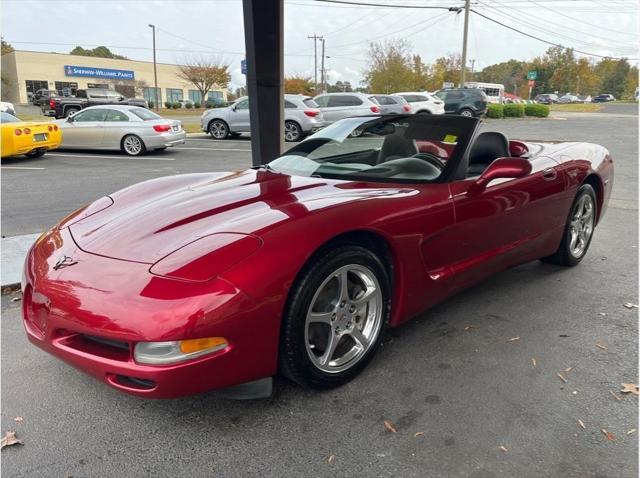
x=82, y=56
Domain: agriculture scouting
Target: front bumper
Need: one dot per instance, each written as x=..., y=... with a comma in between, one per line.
x=92, y=320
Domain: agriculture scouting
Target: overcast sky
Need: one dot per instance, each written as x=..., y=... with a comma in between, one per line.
x=192, y=28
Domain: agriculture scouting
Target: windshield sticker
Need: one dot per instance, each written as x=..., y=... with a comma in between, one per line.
x=450, y=138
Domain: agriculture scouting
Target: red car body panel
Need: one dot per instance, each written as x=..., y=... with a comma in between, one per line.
x=204, y=255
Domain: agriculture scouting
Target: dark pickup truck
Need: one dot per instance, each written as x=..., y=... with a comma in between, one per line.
x=61, y=107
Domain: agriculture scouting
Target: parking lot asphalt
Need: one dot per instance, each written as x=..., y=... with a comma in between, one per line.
x=471, y=375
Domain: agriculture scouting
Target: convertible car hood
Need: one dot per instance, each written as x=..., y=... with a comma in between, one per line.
x=150, y=220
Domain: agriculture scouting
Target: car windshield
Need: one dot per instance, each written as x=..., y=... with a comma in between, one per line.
x=7, y=118
x=388, y=149
x=144, y=114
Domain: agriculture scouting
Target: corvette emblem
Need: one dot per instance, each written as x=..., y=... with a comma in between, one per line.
x=64, y=261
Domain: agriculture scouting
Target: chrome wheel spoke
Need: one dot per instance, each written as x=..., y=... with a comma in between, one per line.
x=344, y=286
x=331, y=348
x=359, y=337
x=364, y=297
x=321, y=317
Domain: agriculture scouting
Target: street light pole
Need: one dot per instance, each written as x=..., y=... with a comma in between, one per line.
x=464, y=43
x=155, y=70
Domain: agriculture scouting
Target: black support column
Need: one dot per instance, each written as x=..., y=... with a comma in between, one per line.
x=264, y=41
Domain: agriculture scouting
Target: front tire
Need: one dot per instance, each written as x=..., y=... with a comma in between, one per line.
x=578, y=231
x=218, y=129
x=335, y=317
x=292, y=131
x=133, y=145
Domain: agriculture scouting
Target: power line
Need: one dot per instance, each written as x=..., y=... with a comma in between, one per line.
x=547, y=31
x=366, y=4
x=551, y=24
x=546, y=41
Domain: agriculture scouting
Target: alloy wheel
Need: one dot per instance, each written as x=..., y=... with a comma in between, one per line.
x=218, y=130
x=581, y=226
x=132, y=145
x=344, y=319
x=291, y=131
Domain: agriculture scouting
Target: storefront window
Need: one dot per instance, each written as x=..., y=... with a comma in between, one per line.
x=215, y=97
x=174, y=94
x=66, y=88
x=195, y=96
x=35, y=85
x=149, y=94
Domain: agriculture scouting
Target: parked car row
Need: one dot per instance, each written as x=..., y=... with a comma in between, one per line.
x=304, y=115
x=131, y=129
x=568, y=98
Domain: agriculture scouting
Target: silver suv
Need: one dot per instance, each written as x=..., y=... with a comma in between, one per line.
x=301, y=117
x=337, y=106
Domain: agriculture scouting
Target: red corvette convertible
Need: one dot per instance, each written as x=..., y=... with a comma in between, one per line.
x=197, y=282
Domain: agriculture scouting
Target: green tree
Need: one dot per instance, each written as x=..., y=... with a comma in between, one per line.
x=99, y=51
x=614, y=76
x=445, y=69
x=511, y=74
x=6, y=47
x=390, y=69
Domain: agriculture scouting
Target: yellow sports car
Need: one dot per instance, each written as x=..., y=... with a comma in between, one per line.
x=30, y=138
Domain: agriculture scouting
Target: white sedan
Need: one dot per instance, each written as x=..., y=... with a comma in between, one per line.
x=131, y=129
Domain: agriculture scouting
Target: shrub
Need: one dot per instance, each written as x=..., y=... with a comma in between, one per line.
x=541, y=111
x=513, y=110
x=209, y=104
x=168, y=104
x=188, y=105
x=495, y=111
x=176, y=105
x=151, y=104
x=196, y=105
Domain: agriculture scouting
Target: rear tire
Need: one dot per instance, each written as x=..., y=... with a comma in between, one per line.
x=578, y=230
x=70, y=112
x=36, y=154
x=330, y=333
x=423, y=112
x=467, y=113
x=292, y=131
x=133, y=145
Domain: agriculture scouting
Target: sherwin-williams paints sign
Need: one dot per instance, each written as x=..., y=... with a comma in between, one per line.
x=90, y=72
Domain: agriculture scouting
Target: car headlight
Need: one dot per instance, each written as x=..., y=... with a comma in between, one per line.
x=163, y=353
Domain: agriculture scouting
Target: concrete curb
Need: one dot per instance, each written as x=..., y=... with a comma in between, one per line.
x=13, y=252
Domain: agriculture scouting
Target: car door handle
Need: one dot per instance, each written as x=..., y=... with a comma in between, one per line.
x=549, y=174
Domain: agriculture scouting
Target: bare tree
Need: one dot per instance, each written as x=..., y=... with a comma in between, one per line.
x=204, y=74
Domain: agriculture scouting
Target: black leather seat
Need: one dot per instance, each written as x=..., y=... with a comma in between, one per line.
x=396, y=146
x=487, y=147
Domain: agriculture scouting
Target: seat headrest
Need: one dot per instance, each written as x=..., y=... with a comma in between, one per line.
x=489, y=146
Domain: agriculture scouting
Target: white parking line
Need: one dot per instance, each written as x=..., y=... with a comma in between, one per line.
x=108, y=156
x=21, y=167
x=215, y=149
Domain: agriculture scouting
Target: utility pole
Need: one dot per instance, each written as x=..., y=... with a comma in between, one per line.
x=155, y=70
x=464, y=42
x=323, y=74
x=315, y=38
